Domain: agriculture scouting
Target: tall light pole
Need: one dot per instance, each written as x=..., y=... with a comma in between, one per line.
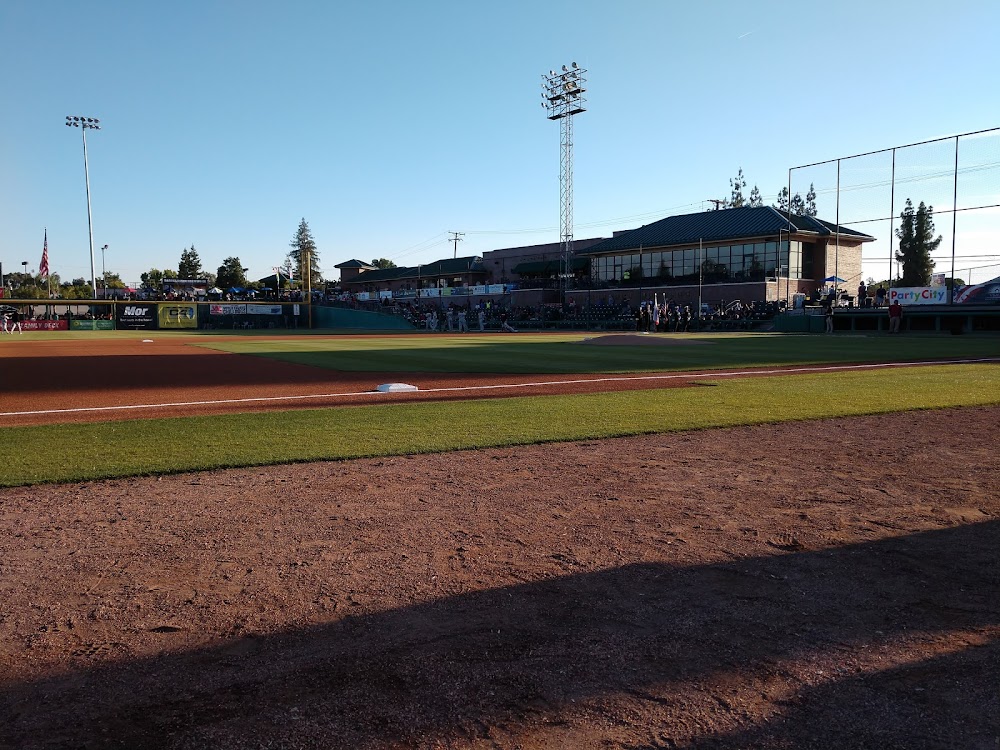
x=104, y=274
x=788, y=266
x=85, y=124
x=562, y=97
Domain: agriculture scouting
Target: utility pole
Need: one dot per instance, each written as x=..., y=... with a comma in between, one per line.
x=456, y=239
x=717, y=202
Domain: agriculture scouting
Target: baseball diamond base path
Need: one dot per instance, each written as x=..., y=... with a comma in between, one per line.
x=52, y=382
x=826, y=584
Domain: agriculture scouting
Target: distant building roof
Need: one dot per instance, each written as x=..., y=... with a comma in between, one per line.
x=444, y=267
x=355, y=263
x=716, y=226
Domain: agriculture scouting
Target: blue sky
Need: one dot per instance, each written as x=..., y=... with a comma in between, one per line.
x=388, y=124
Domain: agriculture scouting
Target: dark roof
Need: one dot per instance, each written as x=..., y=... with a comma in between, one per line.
x=354, y=263
x=444, y=267
x=716, y=226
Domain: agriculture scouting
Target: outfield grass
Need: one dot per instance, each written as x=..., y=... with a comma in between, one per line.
x=567, y=353
x=77, y=452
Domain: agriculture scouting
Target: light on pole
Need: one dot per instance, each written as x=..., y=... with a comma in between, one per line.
x=788, y=265
x=85, y=124
x=562, y=97
x=104, y=274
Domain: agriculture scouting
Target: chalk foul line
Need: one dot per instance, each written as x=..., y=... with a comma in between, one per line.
x=500, y=386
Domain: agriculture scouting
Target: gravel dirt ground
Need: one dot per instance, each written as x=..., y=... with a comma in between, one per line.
x=828, y=584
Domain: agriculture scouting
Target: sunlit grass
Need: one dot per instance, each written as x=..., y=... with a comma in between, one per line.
x=60, y=453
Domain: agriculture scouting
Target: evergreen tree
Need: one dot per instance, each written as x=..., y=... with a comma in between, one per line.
x=231, y=274
x=304, y=245
x=916, y=244
x=383, y=263
x=782, y=204
x=755, y=200
x=810, y=207
x=736, y=185
x=190, y=265
x=798, y=205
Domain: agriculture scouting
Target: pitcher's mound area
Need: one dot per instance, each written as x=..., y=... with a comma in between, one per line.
x=640, y=339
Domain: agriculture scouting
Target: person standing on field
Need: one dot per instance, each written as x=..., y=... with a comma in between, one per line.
x=895, y=316
x=15, y=321
x=482, y=320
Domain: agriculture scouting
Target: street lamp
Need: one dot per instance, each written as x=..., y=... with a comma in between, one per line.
x=85, y=124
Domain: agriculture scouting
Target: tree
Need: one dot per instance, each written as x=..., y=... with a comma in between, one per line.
x=77, y=289
x=154, y=277
x=916, y=244
x=810, y=208
x=755, y=200
x=383, y=263
x=800, y=207
x=782, y=203
x=231, y=273
x=190, y=265
x=303, y=245
x=736, y=185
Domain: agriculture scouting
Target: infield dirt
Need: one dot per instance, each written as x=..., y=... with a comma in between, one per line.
x=807, y=585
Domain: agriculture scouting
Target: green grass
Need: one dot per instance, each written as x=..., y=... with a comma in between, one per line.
x=62, y=453
x=564, y=353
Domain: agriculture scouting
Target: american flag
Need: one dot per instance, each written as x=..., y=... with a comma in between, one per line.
x=43, y=267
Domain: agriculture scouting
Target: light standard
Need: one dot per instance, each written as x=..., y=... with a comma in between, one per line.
x=87, y=123
x=562, y=98
x=787, y=266
x=104, y=274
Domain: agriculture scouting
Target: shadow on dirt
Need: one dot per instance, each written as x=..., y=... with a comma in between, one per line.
x=526, y=655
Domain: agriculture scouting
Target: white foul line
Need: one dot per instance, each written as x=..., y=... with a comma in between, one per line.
x=539, y=384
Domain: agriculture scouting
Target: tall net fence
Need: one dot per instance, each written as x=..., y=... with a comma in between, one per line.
x=958, y=176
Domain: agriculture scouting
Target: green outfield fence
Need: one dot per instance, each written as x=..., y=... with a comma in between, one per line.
x=84, y=315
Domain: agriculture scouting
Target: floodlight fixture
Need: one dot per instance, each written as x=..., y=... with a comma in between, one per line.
x=563, y=98
x=85, y=123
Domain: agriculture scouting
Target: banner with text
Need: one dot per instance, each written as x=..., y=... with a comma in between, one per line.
x=919, y=295
x=91, y=325
x=45, y=325
x=137, y=316
x=227, y=309
x=174, y=315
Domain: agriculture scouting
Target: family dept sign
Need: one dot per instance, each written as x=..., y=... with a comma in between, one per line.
x=919, y=295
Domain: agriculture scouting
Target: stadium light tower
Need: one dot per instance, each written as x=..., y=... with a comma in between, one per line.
x=562, y=97
x=85, y=124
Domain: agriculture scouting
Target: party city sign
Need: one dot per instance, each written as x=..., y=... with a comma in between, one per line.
x=919, y=295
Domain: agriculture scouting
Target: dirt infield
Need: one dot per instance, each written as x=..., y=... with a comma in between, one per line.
x=64, y=381
x=807, y=585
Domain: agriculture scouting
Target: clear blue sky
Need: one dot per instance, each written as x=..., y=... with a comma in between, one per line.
x=388, y=124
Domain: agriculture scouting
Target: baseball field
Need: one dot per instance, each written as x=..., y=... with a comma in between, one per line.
x=556, y=540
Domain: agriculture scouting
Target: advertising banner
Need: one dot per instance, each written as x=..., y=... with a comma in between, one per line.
x=91, y=325
x=227, y=309
x=264, y=309
x=137, y=316
x=479, y=289
x=45, y=325
x=178, y=315
x=919, y=295
x=363, y=296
